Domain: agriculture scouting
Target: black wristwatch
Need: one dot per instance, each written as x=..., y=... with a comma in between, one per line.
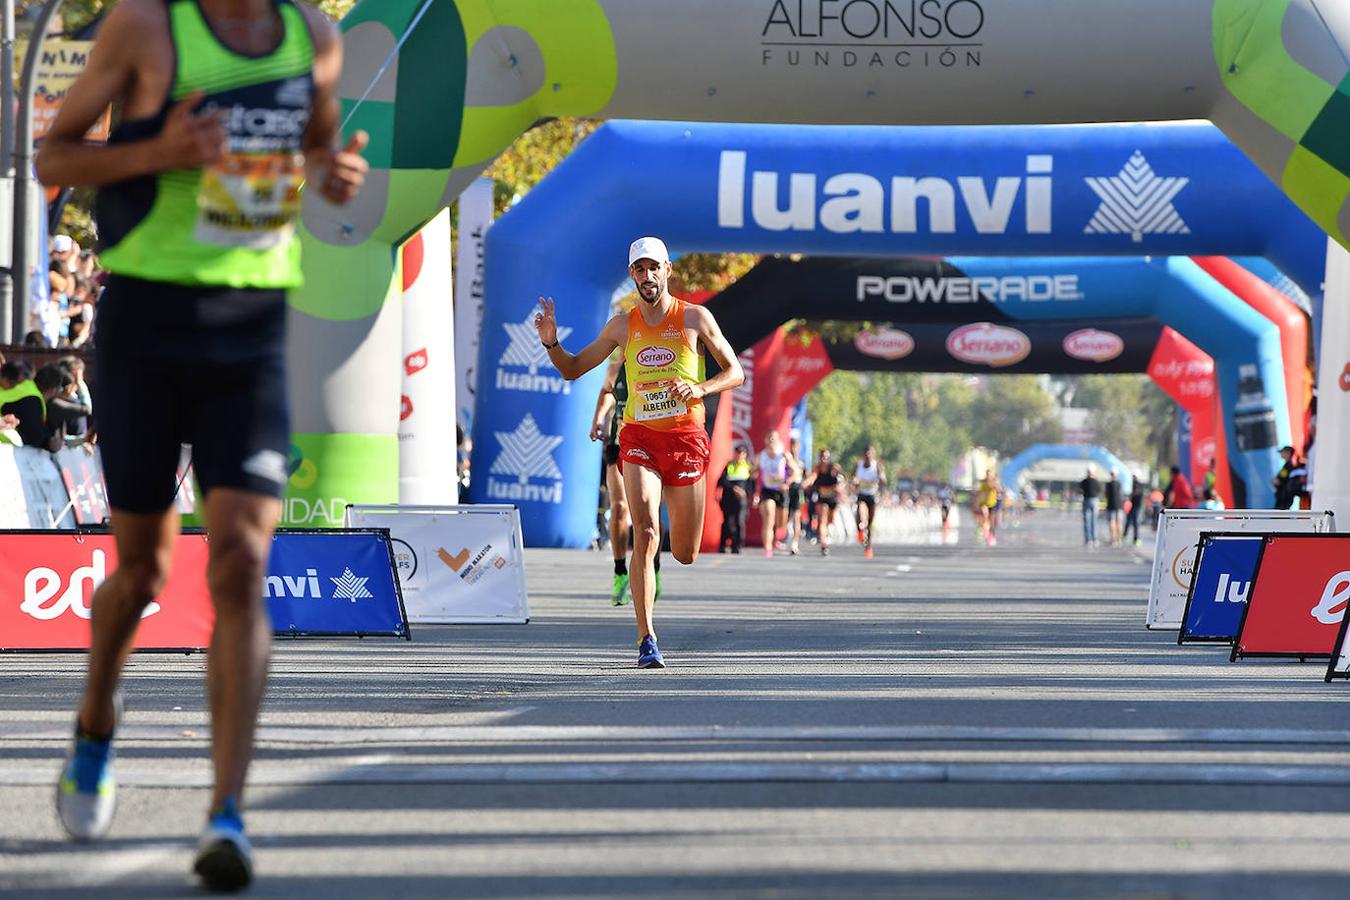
x=549, y=346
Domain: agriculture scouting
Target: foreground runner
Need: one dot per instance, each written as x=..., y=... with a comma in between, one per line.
x=196, y=213
x=868, y=477
x=663, y=443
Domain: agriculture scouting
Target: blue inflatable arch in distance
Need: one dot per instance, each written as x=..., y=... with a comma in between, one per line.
x=870, y=191
x=1036, y=453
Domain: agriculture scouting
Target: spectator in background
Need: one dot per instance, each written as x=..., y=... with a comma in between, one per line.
x=1132, y=514
x=733, y=496
x=58, y=390
x=1286, y=488
x=1211, y=500
x=1179, y=494
x=1114, y=502
x=22, y=408
x=78, y=427
x=1091, y=489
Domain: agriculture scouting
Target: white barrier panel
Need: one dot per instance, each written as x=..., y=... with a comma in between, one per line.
x=457, y=564
x=32, y=494
x=1179, y=538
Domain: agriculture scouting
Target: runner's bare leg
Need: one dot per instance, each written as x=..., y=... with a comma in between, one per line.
x=684, y=505
x=145, y=543
x=240, y=525
x=618, y=512
x=643, y=487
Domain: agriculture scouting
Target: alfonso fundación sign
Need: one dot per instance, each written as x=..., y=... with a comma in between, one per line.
x=873, y=34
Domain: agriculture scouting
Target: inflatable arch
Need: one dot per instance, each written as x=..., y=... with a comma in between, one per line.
x=444, y=85
x=829, y=191
x=1106, y=461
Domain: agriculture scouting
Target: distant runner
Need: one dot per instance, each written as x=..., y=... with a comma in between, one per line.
x=986, y=498
x=793, y=519
x=772, y=480
x=825, y=479
x=663, y=447
x=868, y=477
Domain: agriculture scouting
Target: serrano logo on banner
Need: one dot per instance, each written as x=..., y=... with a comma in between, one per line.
x=987, y=344
x=885, y=343
x=415, y=362
x=1093, y=345
x=654, y=357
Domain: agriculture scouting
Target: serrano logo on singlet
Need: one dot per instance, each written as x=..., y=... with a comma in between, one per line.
x=655, y=357
x=885, y=343
x=526, y=455
x=1093, y=345
x=987, y=344
x=526, y=351
x=44, y=599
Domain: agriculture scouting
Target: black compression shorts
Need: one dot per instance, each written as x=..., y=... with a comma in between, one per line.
x=767, y=494
x=190, y=365
x=794, y=497
x=869, y=501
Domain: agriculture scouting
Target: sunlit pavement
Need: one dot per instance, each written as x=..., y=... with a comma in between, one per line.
x=942, y=720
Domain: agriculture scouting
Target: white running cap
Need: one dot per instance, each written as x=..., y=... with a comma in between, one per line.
x=648, y=248
x=62, y=243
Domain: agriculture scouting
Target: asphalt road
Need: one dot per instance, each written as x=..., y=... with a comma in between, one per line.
x=945, y=720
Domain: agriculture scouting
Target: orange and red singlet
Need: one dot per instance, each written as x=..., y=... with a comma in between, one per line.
x=655, y=358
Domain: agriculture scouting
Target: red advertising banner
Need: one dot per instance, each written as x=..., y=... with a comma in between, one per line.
x=47, y=580
x=1298, y=599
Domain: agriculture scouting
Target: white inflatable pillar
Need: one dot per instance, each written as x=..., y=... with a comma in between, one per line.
x=1329, y=473
x=426, y=428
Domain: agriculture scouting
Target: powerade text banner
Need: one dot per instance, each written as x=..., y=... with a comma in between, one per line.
x=456, y=564
x=334, y=582
x=47, y=580
x=1298, y=598
x=1179, y=533
x=318, y=583
x=1146, y=190
x=1218, y=595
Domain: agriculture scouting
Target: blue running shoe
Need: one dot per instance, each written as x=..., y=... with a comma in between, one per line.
x=224, y=857
x=649, y=657
x=86, y=795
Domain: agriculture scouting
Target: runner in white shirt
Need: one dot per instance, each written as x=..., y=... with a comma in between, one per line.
x=771, y=468
x=867, y=480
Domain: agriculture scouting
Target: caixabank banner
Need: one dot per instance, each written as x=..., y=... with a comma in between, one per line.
x=318, y=583
x=1224, y=569
x=1298, y=597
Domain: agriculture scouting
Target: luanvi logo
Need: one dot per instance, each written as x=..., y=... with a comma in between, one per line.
x=857, y=202
x=526, y=453
x=1137, y=202
x=526, y=350
x=873, y=34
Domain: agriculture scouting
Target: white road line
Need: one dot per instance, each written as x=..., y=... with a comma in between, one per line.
x=289, y=775
x=561, y=734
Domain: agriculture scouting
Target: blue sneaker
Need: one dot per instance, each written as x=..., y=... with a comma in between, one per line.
x=224, y=857
x=86, y=795
x=649, y=657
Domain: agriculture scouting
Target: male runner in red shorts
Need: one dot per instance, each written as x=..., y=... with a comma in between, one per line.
x=663, y=442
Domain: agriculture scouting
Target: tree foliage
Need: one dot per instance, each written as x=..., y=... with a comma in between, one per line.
x=1130, y=416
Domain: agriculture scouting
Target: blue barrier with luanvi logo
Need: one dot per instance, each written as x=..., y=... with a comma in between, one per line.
x=334, y=583
x=1219, y=592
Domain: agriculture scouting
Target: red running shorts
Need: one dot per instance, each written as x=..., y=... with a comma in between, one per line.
x=679, y=457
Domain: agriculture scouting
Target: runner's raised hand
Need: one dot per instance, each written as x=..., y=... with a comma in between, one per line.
x=190, y=139
x=546, y=321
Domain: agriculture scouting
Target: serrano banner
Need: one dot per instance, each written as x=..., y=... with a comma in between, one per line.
x=318, y=583
x=1179, y=533
x=1224, y=568
x=1298, y=598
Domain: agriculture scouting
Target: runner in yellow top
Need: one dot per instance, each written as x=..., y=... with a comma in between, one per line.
x=986, y=498
x=663, y=443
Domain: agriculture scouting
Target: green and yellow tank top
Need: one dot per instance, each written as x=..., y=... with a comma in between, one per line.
x=232, y=223
x=655, y=358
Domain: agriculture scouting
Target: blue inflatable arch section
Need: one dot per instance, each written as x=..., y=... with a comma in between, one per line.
x=1106, y=460
x=849, y=191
